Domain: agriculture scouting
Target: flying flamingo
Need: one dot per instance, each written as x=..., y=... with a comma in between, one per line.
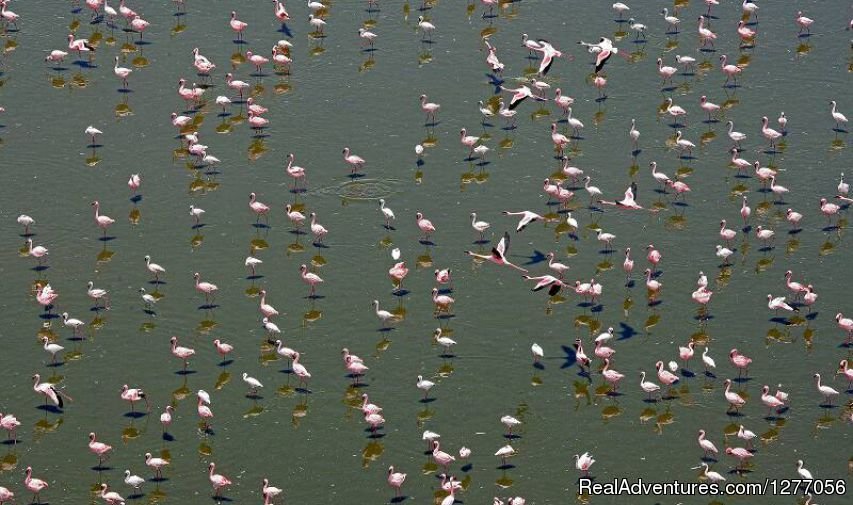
x=498, y=255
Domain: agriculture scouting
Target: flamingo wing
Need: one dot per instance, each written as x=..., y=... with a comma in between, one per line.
x=602, y=58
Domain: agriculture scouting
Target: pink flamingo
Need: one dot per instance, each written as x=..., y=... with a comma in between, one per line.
x=769, y=133
x=843, y=368
x=740, y=361
x=10, y=423
x=6, y=495
x=299, y=369
x=771, y=401
x=442, y=303
x=498, y=255
x=79, y=45
x=99, y=449
x=706, y=36
x=166, y=417
x=557, y=138
x=356, y=163
x=429, y=108
x=803, y=22
x=580, y=356
x=664, y=375
x=611, y=376
x=602, y=351
x=134, y=182
x=726, y=234
x=111, y=497
x=654, y=256
x=155, y=464
x=101, y=220
x=796, y=287
x=443, y=276
x=259, y=208
x=731, y=71
x=182, y=353
x=708, y=107
x=397, y=273
x=425, y=225
x=440, y=457
x=846, y=324
x=317, y=229
x=133, y=395
x=235, y=84
x=296, y=172
x=218, y=481
x=45, y=296
x=686, y=353
x=207, y=288
x=204, y=413
x=280, y=11
x=222, y=348
x=740, y=453
x=37, y=252
x=735, y=400
x=139, y=25
x=34, y=485
x=745, y=211
x=257, y=122
x=237, y=25
x=628, y=264
x=395, y=480
x=828, y=209
x=746, y=33
x=266, y=309
x=256, y=108
x=309, y=278
x=257, y=60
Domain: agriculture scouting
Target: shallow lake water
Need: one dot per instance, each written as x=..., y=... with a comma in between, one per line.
x=313, y=442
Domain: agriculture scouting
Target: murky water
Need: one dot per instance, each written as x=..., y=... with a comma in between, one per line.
x=315, y=445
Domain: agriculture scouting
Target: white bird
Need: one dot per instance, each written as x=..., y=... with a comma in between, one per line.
x=383, y=315
x=74, y=324
x=271, y=327
x=51, y=348
x=196, y=213
x=672, y=21
x=537, y=352
x=26, y=221
x=133, y=481
x=154, y=268
x=425, y=27
x=253, y=383
x=837, y=116
x=827, y=392
x=510, y=422
x=424, y=385
x=445, y=342
x=805, y=474
x=94, y=132
x=479, y=226
x=251, y=263
x=707, y=360
x=149, y=299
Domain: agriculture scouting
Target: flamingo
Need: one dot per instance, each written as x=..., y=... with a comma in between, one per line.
x=209, y=289
x=269, y=492
x=706, y=36
x=440, y=457
x=706, y=445
x=355, y=162
x=584, y=462
x=740, y=453
x=498, y=255
x=839, y=118
x=51, y=348
x=266, y=309
x=429, y=108
x=218, y=481
x=666, y=72
x=99, y=449
x=10, y=423
x=79, y=45
x=133, y=481
x=735, y=400
x=665, y=376
x=156, y=464
x=771, y=401
x=37, y=252
x=101, y=220
x=803, y=22
x=648, y=387
x=166, y=418
x=611, y=376
x=443, y=303
x=299, y=369
x=769, y=133
x=180, y=352
x=237, y=25
x=395, y=480
x=708, y=361
x=425, y=225
x=709, y=474
x=49, y=391
x=527, y=217
x=309, y=278
x=827, y=392
x=34, y=485
x=425, y=27
x=424, y=384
